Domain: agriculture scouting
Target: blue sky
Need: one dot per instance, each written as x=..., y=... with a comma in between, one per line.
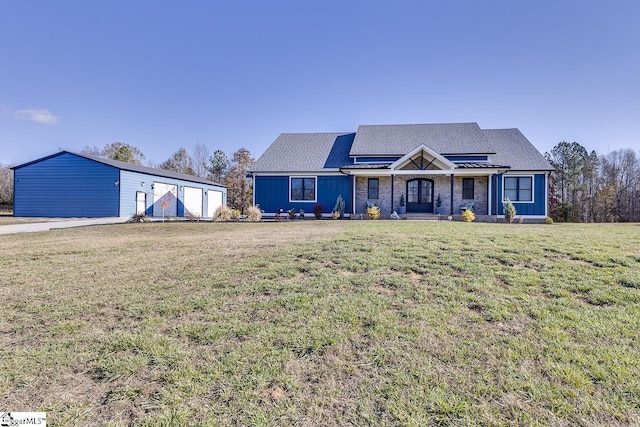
x=163, y=75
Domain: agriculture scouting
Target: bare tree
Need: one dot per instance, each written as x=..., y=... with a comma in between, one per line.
x=180, y=162
x=200, y=156
x=6, y=184
x=91, y=151
x=239, y=192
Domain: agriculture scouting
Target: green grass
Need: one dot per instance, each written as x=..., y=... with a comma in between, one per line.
x=323, y=323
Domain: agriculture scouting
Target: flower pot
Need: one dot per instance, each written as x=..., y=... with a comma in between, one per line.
x=402, y=210
x=438, y=210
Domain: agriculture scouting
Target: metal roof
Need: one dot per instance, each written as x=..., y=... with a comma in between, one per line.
x=129, y=167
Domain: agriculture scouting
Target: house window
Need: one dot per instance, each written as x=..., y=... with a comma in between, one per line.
x=518, y=188
x=303, y=189
x=373, y=188
x=467, y=188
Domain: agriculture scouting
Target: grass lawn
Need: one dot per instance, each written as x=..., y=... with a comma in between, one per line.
x=323, y=323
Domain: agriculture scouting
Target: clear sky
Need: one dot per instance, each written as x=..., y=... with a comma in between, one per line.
x=162, y=75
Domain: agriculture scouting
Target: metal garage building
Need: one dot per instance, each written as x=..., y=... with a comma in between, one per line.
x=68, y=184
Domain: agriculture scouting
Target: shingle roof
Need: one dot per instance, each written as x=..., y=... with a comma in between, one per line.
x=444, y=138
x=131, y=167
x=306, y=152
x=313, y=152
x=514, y=149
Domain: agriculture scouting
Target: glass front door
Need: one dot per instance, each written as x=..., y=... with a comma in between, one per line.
x=420, y=195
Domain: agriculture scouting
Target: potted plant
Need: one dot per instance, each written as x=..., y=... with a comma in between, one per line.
x=439, y=205
x=402, y=209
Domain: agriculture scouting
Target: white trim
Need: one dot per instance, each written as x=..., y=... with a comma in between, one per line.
x=525, y=172
x=353, y=196
x=315, y=189
x=489, y=194
x=546, y=195
x=356, y=162
x=253, y=190
x=525, y=216
x=533, y=185
x=407, y=157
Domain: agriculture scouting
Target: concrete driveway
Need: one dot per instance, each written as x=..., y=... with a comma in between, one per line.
x=60, y=223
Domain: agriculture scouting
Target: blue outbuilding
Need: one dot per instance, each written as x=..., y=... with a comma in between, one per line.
x=69, y=184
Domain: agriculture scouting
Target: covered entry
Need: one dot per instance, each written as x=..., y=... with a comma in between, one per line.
x=420, y=195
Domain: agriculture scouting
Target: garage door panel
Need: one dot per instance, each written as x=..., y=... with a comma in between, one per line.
x=192, y=201
x=214, y=201
x=165, y=193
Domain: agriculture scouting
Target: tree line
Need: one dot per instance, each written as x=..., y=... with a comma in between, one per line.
x=587, y=187
x=584, y=186
x=200, y=162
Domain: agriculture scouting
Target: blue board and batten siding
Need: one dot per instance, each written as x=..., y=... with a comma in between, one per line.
x=66, y=186
x=272, y=193
x=539, y=205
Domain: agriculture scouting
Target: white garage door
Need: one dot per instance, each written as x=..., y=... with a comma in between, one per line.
x=165, y=195
x=192, y=202
x=214, y=201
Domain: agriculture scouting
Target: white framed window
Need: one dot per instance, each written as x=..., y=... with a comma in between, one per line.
x=518, y=188
x=373, y=186
x=303, y=188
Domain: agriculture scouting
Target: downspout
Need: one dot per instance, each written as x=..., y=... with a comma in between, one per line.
x=353, y=191
x=452, y=176
x=490, y=201
x=393, y=179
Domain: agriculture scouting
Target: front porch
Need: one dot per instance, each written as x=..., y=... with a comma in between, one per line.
x=421, y=193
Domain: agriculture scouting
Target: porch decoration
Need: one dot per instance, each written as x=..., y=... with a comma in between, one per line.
x=402, y=209
x=509, y=210
x=373, y=211
x=468, y=216
x=338, y=210
x=439, y=205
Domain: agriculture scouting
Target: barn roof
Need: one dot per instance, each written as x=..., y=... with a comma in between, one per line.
x=128, y=167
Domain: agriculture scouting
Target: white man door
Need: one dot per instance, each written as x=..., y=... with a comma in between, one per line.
x=141, y=202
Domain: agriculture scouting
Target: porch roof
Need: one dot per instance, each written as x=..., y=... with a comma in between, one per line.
x=466, y=165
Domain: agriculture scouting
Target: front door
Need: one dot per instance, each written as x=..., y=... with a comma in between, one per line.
x=420, y=195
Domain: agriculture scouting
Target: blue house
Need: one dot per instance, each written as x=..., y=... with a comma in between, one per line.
x=68, y=184
x=433, y=168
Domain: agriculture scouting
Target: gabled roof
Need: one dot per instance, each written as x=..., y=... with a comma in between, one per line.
x=514, y=149
x=440, y=160
x=306, y=152
x=443, y=138
x=317, y=152
x=129, y=167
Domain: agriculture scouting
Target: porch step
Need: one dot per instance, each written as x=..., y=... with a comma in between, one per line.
x=422, y=217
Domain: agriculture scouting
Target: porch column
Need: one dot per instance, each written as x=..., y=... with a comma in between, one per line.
x=451, y=195
x=393, y=178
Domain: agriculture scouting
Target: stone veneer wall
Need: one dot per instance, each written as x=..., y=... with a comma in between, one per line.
x=441, y=185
